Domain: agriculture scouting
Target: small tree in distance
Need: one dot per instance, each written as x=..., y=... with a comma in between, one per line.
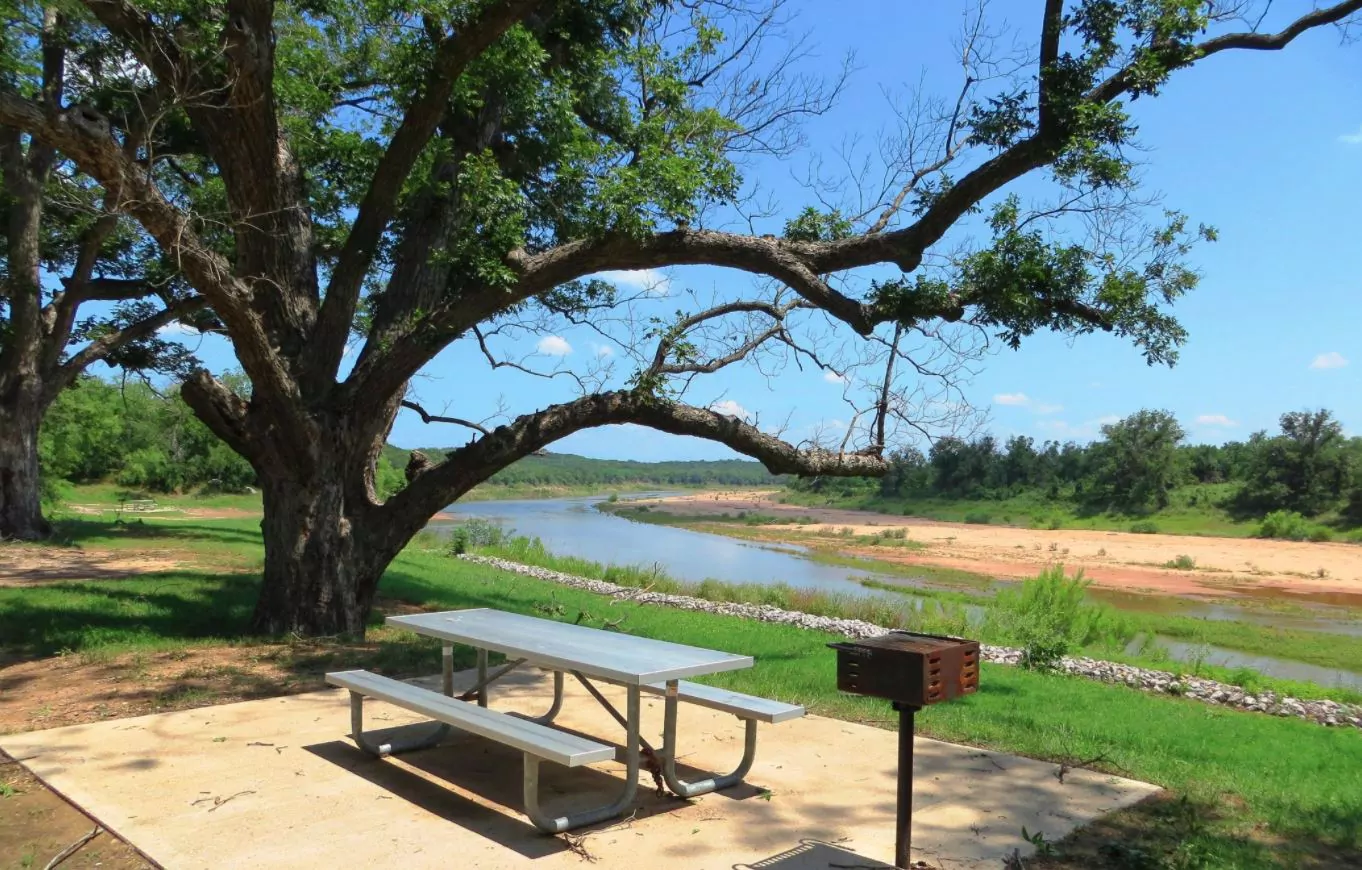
x=409, y=178
x=1137, y=465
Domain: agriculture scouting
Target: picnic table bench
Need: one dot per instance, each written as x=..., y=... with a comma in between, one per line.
x=640, y=665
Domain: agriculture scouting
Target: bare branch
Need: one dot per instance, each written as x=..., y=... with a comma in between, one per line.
x=427, y=417
x=468, y=466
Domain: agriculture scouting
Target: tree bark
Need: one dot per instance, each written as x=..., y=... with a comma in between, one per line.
x=21, y=515
x=320, y=575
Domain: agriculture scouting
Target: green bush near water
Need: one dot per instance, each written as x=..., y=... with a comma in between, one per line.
x=1049, y=616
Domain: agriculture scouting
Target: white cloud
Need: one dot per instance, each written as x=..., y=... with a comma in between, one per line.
x=1331, y=360
x=1352, y=138
x=1011, y=399
x=651, y=281
x=731, y=408
x=1049, y=409
x=1107, y=420
x=834, y=378
x=553, y=345
x=176, y=330
x=603, y=350
x=1215, y=420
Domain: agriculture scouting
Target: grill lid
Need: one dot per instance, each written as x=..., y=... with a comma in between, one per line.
x=903, y=641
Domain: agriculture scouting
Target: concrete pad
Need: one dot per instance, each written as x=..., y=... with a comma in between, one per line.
x=276, y=783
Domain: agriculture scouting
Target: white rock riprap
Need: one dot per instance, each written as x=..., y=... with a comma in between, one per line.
x=1329, y=713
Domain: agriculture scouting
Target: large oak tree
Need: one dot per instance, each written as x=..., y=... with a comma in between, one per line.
x=415, y=175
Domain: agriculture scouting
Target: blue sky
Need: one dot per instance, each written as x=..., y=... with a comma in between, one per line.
x=1266, y=147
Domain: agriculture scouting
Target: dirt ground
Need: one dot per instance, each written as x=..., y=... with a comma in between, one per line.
x=1224, y=567
x=31, y=566
x=38, y=825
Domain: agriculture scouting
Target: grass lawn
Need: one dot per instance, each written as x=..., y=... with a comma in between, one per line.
x=1250, y=790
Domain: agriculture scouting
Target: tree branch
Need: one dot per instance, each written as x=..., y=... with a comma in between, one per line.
x=84, y=137
x=408, y=142
x=427, y=417
x=1120, y=81
x=101, y=347
x=468, y=466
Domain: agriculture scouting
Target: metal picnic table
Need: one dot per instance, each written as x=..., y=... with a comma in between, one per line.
x=638, y=664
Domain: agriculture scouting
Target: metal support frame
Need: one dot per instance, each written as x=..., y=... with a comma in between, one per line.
x=556, y=825
x=547, y=718
x=382, y=750
x=481, y=687
x=704, y=786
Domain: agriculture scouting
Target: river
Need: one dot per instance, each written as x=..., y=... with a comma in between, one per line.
x=573, y=527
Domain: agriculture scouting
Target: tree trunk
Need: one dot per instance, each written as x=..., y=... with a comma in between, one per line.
x=21, y=513
x=320, y=575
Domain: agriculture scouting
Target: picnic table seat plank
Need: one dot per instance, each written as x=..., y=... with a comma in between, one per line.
x=547, y=743
x=740, y=705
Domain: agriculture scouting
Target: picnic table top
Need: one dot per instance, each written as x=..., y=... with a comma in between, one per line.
x=609, y=655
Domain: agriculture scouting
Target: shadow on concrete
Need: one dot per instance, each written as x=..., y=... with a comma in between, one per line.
x=815, y=855
x=444, y=780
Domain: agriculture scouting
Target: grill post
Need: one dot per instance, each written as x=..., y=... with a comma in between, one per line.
x=903, y=834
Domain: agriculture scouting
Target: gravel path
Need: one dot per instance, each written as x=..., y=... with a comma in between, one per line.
x=1330, y=713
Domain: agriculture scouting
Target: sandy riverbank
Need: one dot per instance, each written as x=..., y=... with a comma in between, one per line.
x=1120, y=560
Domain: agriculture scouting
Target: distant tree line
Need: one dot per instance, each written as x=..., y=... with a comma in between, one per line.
x=1308, y=466
x=133, y=435
x=130, y=434
x=566, y=469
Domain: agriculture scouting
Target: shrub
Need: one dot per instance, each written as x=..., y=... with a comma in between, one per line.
x=1286, y=525
x=978, y=518
x=478, y=532
x=1050, y=615
x=1319, y=534
x=1145, y=527
x=614, y=497
x=1183, y=562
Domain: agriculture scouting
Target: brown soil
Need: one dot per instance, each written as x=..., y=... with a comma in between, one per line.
x=38, y=825
x=1136, y=563
x=24, y=565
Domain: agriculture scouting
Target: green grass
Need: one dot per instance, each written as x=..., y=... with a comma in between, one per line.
x=1291, y=784
x=108, y=496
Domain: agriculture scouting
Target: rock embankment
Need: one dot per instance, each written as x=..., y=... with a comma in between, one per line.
x=1323, y=712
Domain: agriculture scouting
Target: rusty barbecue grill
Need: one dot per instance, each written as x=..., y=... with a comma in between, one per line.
x=912, y=671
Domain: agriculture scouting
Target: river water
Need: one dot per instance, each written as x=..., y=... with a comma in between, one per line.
x=573, y=527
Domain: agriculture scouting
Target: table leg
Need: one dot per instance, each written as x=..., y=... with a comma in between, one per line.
x=547, y=718
x=380, y=750
x=482, y=677
x=632, y=757
x=448, y=670
x=704, y=786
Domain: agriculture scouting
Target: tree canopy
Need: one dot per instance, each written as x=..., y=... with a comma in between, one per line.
x=395, y=179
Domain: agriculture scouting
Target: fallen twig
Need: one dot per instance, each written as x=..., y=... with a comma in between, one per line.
x=219, y=801
x=74, y=847
x=1066, y=767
